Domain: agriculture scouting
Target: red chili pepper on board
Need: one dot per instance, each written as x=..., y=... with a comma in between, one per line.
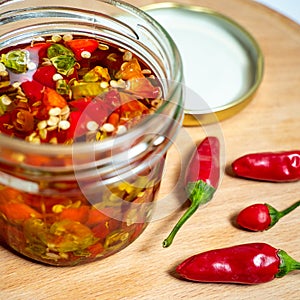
x=260, y=217
x=201, y=180
x=246, y=264
x=269, y=166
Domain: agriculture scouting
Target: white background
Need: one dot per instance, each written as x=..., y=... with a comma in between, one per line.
x=289, y=8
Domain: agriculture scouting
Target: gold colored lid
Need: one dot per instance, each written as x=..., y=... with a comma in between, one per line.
x=223, y=64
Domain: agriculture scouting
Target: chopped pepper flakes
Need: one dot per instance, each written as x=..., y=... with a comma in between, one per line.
x=90, y=79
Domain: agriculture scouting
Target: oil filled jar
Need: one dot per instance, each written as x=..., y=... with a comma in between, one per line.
x=90, y=101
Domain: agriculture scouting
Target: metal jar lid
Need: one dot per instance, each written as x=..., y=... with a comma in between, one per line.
x=223, y=64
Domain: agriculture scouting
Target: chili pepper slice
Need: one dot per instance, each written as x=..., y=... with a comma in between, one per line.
x=44, y=75
x=80, y=45
x=52, y=99
x=17, y=212
x=33, y=90
x=77, y=214
x=142, y=87
x=260, y=217
x=269, y=166
x=38, y=51
x=130, y=70
x=201, y=180
x=252, y=263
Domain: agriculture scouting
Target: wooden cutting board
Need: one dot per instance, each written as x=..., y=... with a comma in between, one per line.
x=144, y=270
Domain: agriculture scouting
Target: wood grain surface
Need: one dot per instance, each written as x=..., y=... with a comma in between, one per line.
x=144, y=270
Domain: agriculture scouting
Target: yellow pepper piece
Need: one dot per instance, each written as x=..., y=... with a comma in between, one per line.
x=97, y=74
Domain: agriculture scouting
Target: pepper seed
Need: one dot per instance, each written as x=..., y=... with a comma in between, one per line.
x=104, y=84
x=112, y=57
x=31, y=66
x=57, y=77
x=37, y=103
x=43, y=133
x=107, y=127
x=53, y=140
x=5, y=100
x=51, y=128
x=55, y=111
x=53, y=121
x=16, y=84
x=103, y=47
x=121, y=129
x=118, y=84
x=156, y=103
x=92, y=126
x=3, y=73
x=46, y=62
x=2, y=67
x=68, y=37
x=42, y=125
x=56, y=38
x=64, y=125
x=146, y=72
x=86, y=54
x=127, y=56
x=65, y=110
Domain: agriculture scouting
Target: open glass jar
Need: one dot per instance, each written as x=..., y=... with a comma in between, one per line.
x=69, y=203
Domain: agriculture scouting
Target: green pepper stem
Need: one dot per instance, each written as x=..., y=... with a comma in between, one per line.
x=287, y=264
x=276, y=215
x=289, y=209
x=199, y=193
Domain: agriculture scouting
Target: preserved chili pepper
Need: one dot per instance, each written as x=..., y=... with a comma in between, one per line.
x=82, y=46
x=260, y=217
x=269, y=166
x=64, y=90
x=201, y=180
x=252, y=263
x=59, y=79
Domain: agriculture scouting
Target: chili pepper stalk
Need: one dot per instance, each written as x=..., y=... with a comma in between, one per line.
x=201, y=180
x=260, y=217
x=252, y=263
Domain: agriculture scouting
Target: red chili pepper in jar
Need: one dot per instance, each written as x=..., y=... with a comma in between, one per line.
x=201, y=180
x=260, y=217
x=269, y=166
x=44, y=75
x=252, y=263
x=80, y=46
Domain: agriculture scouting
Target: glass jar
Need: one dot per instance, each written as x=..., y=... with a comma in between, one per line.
x=68, y=204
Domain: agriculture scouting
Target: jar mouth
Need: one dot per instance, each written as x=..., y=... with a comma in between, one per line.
x=84, y=147
x=166, y=46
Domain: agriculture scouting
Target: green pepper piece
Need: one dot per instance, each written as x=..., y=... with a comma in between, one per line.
x=85, y=89
x=16, y=60
x=62, y=87
x=3, y=105
x=69, y=235
x=64, y=64
x=58, y=50
x=116, y=240
x=36, y=234
x=97, y=74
